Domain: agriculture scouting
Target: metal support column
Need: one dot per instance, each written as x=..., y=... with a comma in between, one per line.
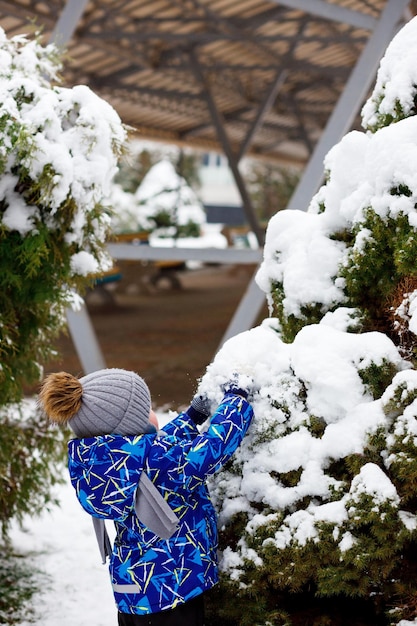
x=79, y=323
x=85, y=340
x=67, y=22
x=247, y=311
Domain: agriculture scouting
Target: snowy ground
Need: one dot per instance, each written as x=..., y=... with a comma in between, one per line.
x=78, y=591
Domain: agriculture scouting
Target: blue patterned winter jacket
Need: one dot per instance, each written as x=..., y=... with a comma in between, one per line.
x=150, y=574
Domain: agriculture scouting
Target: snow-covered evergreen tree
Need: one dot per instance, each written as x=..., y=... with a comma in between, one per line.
x=318, y=507
x=128, y=217
x=167, y=201
x=58, y=152
x=163, y=204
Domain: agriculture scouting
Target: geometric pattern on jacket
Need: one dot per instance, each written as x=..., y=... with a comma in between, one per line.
x=150, y=574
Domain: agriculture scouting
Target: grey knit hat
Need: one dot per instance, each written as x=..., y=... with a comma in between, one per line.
x=109, y=401
x=113, y=401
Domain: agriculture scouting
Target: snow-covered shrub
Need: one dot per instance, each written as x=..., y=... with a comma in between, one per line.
x=362, y=222
x=393, y=97
x=127, y=217
x=320, y=502
x=58, y=152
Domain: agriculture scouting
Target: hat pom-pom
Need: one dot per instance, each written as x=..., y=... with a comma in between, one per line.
x=61, y=396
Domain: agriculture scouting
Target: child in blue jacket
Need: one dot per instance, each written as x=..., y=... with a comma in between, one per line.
x=151, y=484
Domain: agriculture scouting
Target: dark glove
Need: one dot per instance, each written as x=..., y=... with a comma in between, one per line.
x=230, y=388
x=239, y=385
x=199, y=409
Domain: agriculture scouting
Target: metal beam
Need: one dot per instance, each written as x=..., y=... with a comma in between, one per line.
x=262, y=111
x=350, y=101
x=132, y=252
x=225, y=143
x=192, y=38
x=272, y=92
x=302, y=129
x=331, y=12
x=67, y=22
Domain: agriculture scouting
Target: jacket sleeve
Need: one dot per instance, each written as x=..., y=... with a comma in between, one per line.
x=181, y=427
x=190, y=462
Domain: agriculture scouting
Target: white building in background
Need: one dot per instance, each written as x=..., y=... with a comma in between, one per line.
x=217, y=183
x=218, y=192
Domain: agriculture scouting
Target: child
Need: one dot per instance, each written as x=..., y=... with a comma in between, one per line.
x=152, y=484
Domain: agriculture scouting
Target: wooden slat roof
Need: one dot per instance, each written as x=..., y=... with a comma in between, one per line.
x=154, y=61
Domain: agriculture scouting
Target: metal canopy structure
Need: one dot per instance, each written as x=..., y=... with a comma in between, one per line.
x=279, y=80
x=244, y=77
x=274, y=69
